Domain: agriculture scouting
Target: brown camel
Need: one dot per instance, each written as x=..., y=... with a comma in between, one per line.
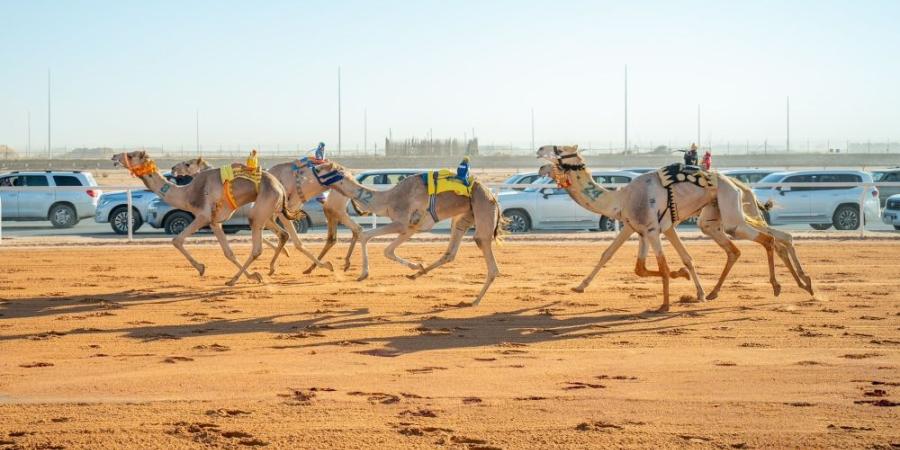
x=407, y=205
x=300, y=185
x=205, y=198
x=645, y=208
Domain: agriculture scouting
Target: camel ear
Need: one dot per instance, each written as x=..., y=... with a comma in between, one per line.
x=142, y=154
x=200, y=161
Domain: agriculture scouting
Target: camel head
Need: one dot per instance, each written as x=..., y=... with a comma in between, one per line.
x=554, y=153
x=190, y=167
x=131, y=159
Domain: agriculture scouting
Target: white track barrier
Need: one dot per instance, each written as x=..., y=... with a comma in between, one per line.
x=494, y=186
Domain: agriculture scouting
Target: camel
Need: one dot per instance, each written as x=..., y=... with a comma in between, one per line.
x=645, y=208
x=205, y=198
x=407, y=205
x=300, y=185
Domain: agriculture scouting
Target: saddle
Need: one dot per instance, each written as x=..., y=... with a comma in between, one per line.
x=680, y=173
x=231, y=172
x=444, y=180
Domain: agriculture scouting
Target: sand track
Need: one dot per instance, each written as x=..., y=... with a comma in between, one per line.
x=126, y=347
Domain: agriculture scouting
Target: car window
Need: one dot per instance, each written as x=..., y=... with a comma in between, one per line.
x=619, y=179
x=601, y=179
x=753, y=177
x=772, y=178
x=838, y=178
x=36, y=180
x=879, y=176
x=894, y=176
x=370, y=179
x=394, y=178
x=528, y=179
x=66, y=180
x=800, y=179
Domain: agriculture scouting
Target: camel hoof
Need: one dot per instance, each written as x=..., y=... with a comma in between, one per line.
x=662, y=309
x=271, y=271
x=327, y=265
x=257, y=277
x=413, y=276
x=578, y=289
x=712, y=296
x=362, y=277
x=231, y=282
x=682, y=273
x=777, y=289
x=201, y=268
x=309, y=269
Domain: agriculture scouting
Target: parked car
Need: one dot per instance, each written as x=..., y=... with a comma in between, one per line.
x=820, y=207
x=173, y=220
x=891, y=213
x=62, y=208
x=640, y=170
x=112, y=208
x=748, y=176
x=520, y=178
x=553, y=209
x=887, y=176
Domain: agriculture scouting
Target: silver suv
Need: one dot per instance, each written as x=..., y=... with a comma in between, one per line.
x=62, y=208
x=820, y=206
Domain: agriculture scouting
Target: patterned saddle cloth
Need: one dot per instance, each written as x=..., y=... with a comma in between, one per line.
x=445, y=180
x=680, y=173
x=232, y=171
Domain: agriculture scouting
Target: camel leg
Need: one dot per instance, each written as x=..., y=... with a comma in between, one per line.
x=655, y=242
x=355, y=231
x=640, y=266
x=282, y=239
x=178, y=242
x=673, y=238
x=299, y=245
x=459, y=226
x=275, y=228
x=620, y=239
x=484, y=239
x=256, y=250
x=217, y=230
x=389, y=250
x=710, y=225
x=330, y=239
x=364, y=241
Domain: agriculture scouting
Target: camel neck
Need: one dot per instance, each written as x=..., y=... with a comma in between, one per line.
x=371, y=199
x=168, y=191
x=590, y=195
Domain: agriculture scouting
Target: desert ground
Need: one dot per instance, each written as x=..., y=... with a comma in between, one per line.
x=125, y=346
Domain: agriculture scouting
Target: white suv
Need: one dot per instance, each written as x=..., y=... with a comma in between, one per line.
x=820, y=207
x=553, y=209
x=62, y=208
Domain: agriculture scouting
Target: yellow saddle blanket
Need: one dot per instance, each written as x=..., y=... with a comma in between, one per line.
x=444, y=180
x=229, y=173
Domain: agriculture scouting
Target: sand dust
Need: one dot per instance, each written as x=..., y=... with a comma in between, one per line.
x=125, y=346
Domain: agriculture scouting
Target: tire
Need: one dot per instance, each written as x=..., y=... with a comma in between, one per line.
x=846, y=217
x=517, y=221
x=820, y=226
x=897, y=227
x=177, y=222
x=231, y=230
x=607, y=224
x=301, y=225
x=63, y=216
x=118, y=220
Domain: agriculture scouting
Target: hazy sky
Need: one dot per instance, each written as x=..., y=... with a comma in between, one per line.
x=133, y=72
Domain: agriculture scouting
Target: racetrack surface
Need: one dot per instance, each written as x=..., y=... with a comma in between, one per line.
x=125, y=346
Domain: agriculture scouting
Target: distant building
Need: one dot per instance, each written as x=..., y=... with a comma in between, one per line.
x=431, y=147
x=7, y=152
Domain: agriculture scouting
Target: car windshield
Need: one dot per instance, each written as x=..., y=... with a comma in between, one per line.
x=878, y=176
x=538, y=182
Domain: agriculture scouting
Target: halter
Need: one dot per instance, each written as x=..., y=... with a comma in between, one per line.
x=326, y=179
x=148, y=167
x=562, y=181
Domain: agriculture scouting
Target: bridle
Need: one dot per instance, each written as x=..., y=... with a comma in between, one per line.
x=146, y=168
x=561, y=180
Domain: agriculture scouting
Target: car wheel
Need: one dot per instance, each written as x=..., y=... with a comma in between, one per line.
x=820, y=226
x=177, y=222
x=517, y=221
x=301, y=225
x=118, y=220
x=897, y=227
x=63, y=216
x=846, y=217
x=607, y=224
x=231, y=230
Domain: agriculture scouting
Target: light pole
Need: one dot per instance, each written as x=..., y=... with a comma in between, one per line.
x=339, y=110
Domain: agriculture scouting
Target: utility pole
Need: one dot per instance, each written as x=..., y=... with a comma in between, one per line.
x=698, y=125
x=339, y=110
x=28, y=136
x=49, y=146
x=626, y=107
x=789, y=124
x=365, y=130
x=532, y=131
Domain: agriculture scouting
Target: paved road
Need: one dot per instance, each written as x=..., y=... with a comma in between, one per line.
x=89, y=228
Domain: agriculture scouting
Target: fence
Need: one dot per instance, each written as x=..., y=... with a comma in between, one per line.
x=494, y=186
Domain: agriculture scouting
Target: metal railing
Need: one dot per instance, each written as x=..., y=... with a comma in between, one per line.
x=494, y=186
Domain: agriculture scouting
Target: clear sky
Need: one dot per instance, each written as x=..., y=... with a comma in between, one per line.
x=134, y=72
